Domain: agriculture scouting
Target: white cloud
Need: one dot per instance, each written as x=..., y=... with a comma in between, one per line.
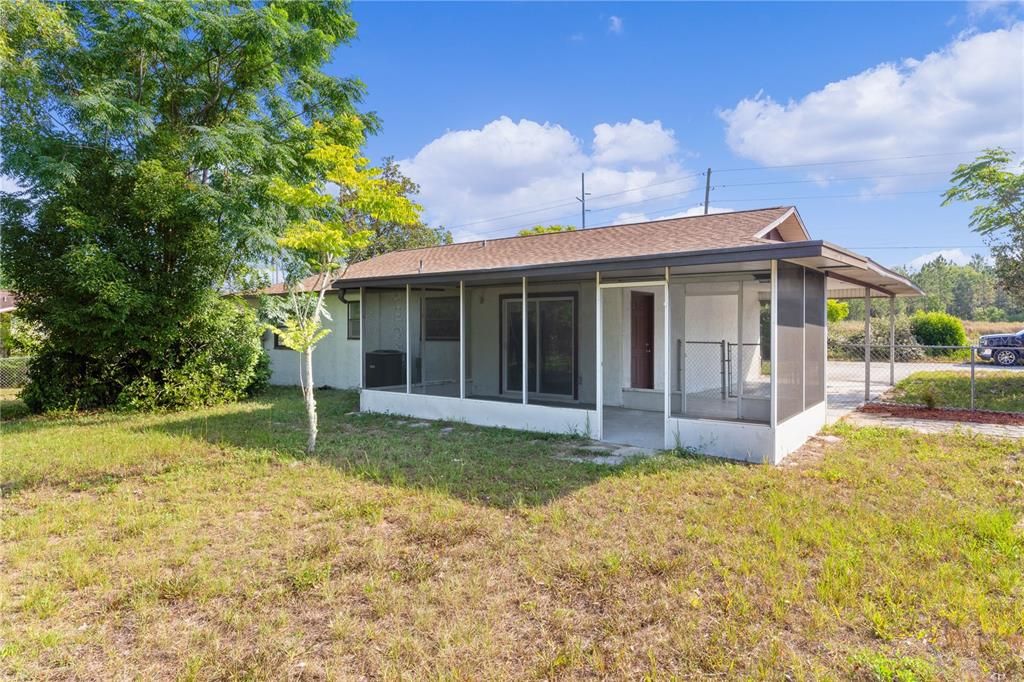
x=615, y=25
x=953, y=255
x=967, y=96
x=1003, y=11
x=633, y=141
x=471, y=180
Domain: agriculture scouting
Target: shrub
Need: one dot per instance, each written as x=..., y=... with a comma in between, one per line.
x=216, y=361
x=216, y=357
x=938, y=329
x=848, y=344
x=837, y=311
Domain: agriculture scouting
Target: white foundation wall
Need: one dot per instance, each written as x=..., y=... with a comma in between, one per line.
x=794, y=432
x=335, y=360
x=732, y=440
x=542, y=418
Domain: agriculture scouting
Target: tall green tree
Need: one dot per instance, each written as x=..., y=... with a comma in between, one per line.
x=995, y=183
x=387, y=235
x=145, y=135
x=545, y=229
x=322, y=233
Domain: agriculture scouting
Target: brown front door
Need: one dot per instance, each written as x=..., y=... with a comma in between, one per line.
x=642, y=326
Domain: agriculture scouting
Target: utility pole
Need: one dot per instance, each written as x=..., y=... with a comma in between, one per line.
x=707, y=190
x=582, y=198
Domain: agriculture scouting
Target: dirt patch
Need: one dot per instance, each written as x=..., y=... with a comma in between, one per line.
x=810, y=453
x=943, y=414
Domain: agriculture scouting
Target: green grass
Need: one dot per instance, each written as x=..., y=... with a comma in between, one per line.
x=203, y=545
x=1000, y=391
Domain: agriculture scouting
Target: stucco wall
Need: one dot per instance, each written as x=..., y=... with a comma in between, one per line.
x=335, y=360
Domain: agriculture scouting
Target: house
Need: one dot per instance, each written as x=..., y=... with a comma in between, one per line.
x=8, y=301
x=703, y=332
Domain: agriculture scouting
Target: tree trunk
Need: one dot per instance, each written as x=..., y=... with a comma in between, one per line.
x=307, y=357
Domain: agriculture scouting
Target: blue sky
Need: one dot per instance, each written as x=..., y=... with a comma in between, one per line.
x=496, y=108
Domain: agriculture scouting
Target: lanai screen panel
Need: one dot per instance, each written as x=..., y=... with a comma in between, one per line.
x=384, y=339
x=789, y=365
x=435, y=341
x=814, y=338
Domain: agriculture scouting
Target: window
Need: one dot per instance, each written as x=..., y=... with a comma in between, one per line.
x=277, y=343
x=441, y=319
x=353, y=308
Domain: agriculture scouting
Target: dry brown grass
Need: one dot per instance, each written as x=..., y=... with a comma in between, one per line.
x=203, y=546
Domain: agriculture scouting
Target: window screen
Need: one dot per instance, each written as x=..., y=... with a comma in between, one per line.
x=814, y=338
x=353, y=319
x=441, y=319
x=789, y=365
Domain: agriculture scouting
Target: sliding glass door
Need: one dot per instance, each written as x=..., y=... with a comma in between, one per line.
x=551, y=346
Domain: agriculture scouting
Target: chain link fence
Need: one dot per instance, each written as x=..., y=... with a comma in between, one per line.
x=14, y=371
x=954, y=377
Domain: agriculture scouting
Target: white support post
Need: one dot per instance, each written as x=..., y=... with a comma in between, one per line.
x=867, y=344
x=526, y=348
x=599, y=345
x=773, y=405
x=408, y=342
x=892, y=340
x=462, y=340
x=362, y=334
x=667, y=350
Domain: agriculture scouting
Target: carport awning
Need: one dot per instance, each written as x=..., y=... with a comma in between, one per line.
x=851, y=273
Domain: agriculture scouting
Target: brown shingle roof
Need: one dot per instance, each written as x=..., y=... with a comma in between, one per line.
x=675, y=235
x=310, y=283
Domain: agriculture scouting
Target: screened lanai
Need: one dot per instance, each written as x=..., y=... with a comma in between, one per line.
x=716, y=350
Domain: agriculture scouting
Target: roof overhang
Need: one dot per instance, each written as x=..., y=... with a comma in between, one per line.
x=841, y=264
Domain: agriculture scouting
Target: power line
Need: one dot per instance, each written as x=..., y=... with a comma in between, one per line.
x=726, y=201
x=832, y=179
x=844, y=163
x=828, y=196
x=548, y=207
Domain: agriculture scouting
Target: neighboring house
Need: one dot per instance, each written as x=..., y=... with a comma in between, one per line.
x=8, y=301
x=8, y=304
x=705, y=332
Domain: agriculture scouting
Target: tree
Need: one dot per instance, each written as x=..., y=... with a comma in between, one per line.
x=389, y=236
x=145, y=135
x=321, y=235
x=545, y=229
x=996, y=181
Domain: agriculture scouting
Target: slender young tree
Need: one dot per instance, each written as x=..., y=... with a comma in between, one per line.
x=321, y=234
x=995, y=182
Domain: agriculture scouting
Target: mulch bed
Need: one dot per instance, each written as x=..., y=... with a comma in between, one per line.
x=943, y=414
